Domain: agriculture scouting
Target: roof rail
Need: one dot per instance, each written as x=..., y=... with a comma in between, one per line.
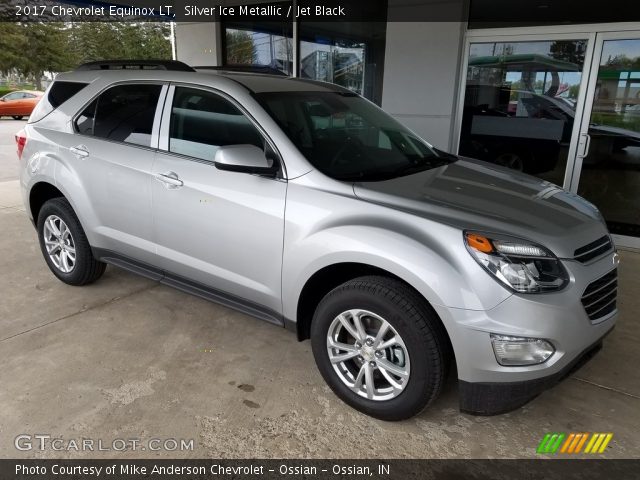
x=172, y=65
x=249, y=68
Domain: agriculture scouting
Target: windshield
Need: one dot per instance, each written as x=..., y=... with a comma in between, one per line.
x=349, y=138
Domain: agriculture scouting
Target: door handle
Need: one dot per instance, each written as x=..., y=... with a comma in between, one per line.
x=586, y=144
x=80, y=151
x=169, y=179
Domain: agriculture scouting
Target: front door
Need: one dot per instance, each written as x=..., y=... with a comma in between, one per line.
x=608, y=157
x=219, y=229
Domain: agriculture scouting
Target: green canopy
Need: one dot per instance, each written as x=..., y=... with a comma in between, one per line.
x=525, y=61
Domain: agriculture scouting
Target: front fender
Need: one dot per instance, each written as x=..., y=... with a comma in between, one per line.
x=324, y=229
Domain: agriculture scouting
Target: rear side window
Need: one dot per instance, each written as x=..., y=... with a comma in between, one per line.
x=202, y=121
x=14, y=96
x=58, y=93
x=123, y=113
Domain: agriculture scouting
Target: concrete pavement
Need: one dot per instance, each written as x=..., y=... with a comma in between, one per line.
x=8, y=159
x=130, y=358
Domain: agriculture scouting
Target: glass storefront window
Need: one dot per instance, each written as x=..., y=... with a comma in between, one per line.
x=610, y=176
x=350, y=54
x=520, y=102
x=264, y=44
x=340, y=64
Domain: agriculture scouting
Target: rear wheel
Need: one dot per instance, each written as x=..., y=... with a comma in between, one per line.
x=380, y=347
x=17, y=117
x=65, y=246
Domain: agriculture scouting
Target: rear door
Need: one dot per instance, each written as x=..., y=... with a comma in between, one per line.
x=111, y=153
x=220, y=229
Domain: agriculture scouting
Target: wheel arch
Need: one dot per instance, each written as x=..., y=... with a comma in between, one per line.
x=329, y=277
x=40, y=193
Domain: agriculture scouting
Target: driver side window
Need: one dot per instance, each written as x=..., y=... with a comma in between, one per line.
x=201, y=121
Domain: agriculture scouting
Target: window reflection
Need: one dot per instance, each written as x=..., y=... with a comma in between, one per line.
x=342, y=64
x=349, y=54
x=520, y=103
x=610, y=175
x=264, y=44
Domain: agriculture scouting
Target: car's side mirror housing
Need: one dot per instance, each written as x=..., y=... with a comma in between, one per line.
x=244, y=158
x=3, y=99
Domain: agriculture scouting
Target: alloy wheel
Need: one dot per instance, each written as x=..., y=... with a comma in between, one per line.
x=368, y=355
x=59, y=244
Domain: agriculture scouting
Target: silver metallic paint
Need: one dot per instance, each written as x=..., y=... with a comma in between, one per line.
x=262, y=238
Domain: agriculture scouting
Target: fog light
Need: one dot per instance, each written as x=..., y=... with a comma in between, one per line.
x=520, y=351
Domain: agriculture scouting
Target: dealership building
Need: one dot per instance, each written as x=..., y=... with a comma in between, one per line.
x=554, y=92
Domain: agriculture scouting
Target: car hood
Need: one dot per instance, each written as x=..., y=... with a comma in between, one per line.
x=475, y=195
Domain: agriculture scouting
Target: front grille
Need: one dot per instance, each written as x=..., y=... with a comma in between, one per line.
x=599, y=298
x=593, y=249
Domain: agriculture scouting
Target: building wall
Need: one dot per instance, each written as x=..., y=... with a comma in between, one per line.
x=197, y=43
x=421, y=74
x=421, y=66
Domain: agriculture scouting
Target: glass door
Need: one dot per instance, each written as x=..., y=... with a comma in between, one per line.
x=607, y=166
x=521, y=101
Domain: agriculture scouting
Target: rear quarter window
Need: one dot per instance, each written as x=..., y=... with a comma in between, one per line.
x=58, y=93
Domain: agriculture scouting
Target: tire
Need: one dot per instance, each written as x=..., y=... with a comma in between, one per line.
x=57, y=214
x=17, y=117
x=513, y=160
x=422, y=353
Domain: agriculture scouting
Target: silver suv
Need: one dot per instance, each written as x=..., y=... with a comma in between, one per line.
x=305, y=205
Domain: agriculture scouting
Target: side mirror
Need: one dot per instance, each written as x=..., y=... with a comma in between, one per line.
x=3, y=99
x=244, y=158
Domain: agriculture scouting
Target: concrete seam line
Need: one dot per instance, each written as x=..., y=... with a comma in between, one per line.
x=606, y=388
x=99, y=305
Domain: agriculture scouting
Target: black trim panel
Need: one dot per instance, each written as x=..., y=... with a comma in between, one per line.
x=494, y=398
x=128, y=264
x=189, y=286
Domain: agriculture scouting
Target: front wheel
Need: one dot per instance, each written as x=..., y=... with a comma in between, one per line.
x=65, y=246
x=380, y=347
x=17, y=117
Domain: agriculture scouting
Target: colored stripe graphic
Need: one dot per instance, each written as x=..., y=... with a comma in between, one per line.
x=543, y=443
x=581, y=443
x=598, y=443
x=573, y=443
x=606, y=441
x=550, y=443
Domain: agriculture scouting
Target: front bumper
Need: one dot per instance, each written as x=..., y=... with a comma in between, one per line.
x=487, y=387
x=493, y=398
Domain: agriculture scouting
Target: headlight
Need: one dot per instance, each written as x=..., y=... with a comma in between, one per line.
x=520, y=265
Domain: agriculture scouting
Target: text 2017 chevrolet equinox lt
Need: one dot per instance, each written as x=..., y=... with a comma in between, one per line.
x=307, y=206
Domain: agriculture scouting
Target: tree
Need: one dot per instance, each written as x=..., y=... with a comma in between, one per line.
x=11, y=46
x=35, y=48
x=45, y=49
x=240, y=48
x=118, y=40
x=568, y=51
